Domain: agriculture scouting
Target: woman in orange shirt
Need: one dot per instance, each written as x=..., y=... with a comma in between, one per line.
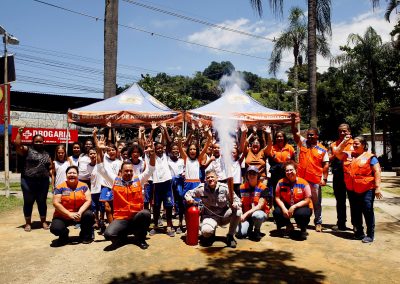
x=279, y=152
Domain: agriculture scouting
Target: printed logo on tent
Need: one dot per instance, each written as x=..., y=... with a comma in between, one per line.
x=127, y=100
x=75, y=116
x=238, y=99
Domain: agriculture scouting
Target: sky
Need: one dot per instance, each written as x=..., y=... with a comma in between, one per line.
x=61, y=52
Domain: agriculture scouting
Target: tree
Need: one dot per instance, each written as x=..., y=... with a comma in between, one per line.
x=216, y=70
x=390, y=8
x=110, y=47
x=294, y=38
x=365, y=53
x=319, y=18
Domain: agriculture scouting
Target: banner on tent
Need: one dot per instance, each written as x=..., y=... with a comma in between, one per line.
x=121, y=118
x=248, y=118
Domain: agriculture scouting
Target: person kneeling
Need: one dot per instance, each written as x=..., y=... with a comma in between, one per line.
x=130, y=217
x=221, y=206
x=72, y=200
x=293, y=195
x=254, y=203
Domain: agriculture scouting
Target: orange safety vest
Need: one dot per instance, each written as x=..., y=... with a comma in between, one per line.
x=281, y=155
x=71, y=199
x=128, y=198
x=310, y=163
x=252, y=195
x=358, y=174
x=293, y=194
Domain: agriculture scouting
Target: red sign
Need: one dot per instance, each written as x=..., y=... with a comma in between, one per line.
x=50, y=135
x=2, y=95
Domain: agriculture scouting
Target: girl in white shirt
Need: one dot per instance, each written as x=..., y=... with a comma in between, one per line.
x=60, y=165
x=176, y=166
x=162, y=190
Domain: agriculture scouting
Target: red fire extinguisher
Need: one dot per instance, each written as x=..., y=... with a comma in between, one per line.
x=192, y=225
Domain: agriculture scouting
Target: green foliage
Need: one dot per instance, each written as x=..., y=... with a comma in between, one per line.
x=216, y=70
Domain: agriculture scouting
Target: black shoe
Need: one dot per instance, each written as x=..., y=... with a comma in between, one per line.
x=143, y=244
x=339, y=228
x=230, y=241
x=62, y=240
x=87, y=241
x=303, y=234
x=255, y=236
x=206, y=242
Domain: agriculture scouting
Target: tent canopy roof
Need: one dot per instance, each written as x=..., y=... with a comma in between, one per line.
x=132, y=99
x=133, y=106
x=236, y=104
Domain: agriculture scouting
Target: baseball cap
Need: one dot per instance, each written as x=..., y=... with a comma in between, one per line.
x=252, y=169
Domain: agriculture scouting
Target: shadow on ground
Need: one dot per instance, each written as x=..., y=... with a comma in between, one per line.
x=234, y=267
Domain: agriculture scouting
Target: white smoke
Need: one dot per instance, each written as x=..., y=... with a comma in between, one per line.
x=225, y=125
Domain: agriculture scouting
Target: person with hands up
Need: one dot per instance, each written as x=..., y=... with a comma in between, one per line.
x=72, y=201
x=35, y=174
x=130, y=217
x=362, y=176
x=313, y=166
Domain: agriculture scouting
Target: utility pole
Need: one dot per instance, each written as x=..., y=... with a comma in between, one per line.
x=7, y=38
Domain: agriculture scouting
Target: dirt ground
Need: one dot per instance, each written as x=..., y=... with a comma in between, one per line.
x=326, y=257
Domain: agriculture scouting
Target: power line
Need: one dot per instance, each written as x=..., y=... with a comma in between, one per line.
x=199, y=21
x=154, y=33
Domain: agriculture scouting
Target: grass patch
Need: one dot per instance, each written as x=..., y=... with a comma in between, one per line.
x=394, y=190
x=8, y=204
x=327, y=192
x=14, y=186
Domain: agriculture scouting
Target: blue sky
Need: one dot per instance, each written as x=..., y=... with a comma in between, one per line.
x=66, y=50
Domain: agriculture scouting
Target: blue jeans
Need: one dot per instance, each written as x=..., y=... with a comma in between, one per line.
x=256, y=220
x=364, y=205
x=177, y=188
x=316, y=198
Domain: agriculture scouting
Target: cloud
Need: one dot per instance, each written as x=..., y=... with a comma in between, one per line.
x=340, y=31
x=357, y=25
x=234, y=41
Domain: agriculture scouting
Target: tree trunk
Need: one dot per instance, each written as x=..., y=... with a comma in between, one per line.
x=110, y=47
x=372, y=108
x=312, y=60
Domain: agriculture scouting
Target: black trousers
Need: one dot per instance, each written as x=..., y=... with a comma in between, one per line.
x=301, y=216
x=137, y=225
x=340, y=190
x=35, y=190
x=59, y=225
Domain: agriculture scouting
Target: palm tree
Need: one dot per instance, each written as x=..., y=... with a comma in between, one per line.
x=365, y=53
x=319, y=18
x=294, y=38
x=110, y=47
x=390, y=7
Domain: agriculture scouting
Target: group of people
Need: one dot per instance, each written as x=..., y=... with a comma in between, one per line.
x=130, y=186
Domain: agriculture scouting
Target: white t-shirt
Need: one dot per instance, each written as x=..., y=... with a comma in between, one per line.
x=74, y=160
x=176, y=167
x=60, y=169
x=95, y=179
x=218, y=166
x=236, y=172
x=161, y=172
x=192, y=169
x=111, y=167
x=83, y=162
x=138, y=169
